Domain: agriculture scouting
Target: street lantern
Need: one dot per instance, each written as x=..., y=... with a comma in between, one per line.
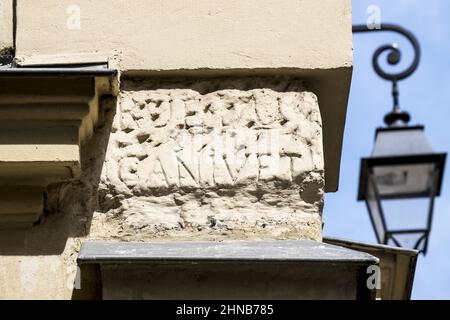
x=399, y=183
x=401, y=179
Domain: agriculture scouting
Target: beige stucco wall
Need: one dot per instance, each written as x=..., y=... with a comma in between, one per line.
x=6, y=25
x=197, y=34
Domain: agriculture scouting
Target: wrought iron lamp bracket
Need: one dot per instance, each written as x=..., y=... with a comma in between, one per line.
x=393, y=58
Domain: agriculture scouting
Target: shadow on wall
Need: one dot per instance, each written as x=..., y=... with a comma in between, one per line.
x=69, y=206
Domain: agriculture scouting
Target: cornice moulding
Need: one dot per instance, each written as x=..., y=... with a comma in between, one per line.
x=44, y=119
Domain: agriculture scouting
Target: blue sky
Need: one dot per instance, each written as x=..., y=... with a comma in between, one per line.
x=426, y=96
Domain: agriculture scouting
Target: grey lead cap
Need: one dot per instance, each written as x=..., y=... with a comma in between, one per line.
x=283, y=251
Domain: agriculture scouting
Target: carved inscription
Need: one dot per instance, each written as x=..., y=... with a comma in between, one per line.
x=180, y=138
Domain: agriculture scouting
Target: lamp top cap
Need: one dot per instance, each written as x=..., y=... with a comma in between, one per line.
x=397, y=118
x=401, y=141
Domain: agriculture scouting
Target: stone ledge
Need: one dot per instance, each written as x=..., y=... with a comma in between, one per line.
x=44, y=118
x=283, y=251
x=228, y=270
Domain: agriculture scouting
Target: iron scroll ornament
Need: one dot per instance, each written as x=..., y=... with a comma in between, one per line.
x=393, y=58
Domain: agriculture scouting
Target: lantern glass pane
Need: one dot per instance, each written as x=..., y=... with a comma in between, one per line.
x=412, y=180
x=373, y=205
x=406, y=214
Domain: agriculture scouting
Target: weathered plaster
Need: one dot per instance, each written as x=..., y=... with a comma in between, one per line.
x=216, y=156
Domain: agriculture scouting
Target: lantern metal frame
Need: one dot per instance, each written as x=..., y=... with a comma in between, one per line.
x=367, y=176
x=367, y=163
